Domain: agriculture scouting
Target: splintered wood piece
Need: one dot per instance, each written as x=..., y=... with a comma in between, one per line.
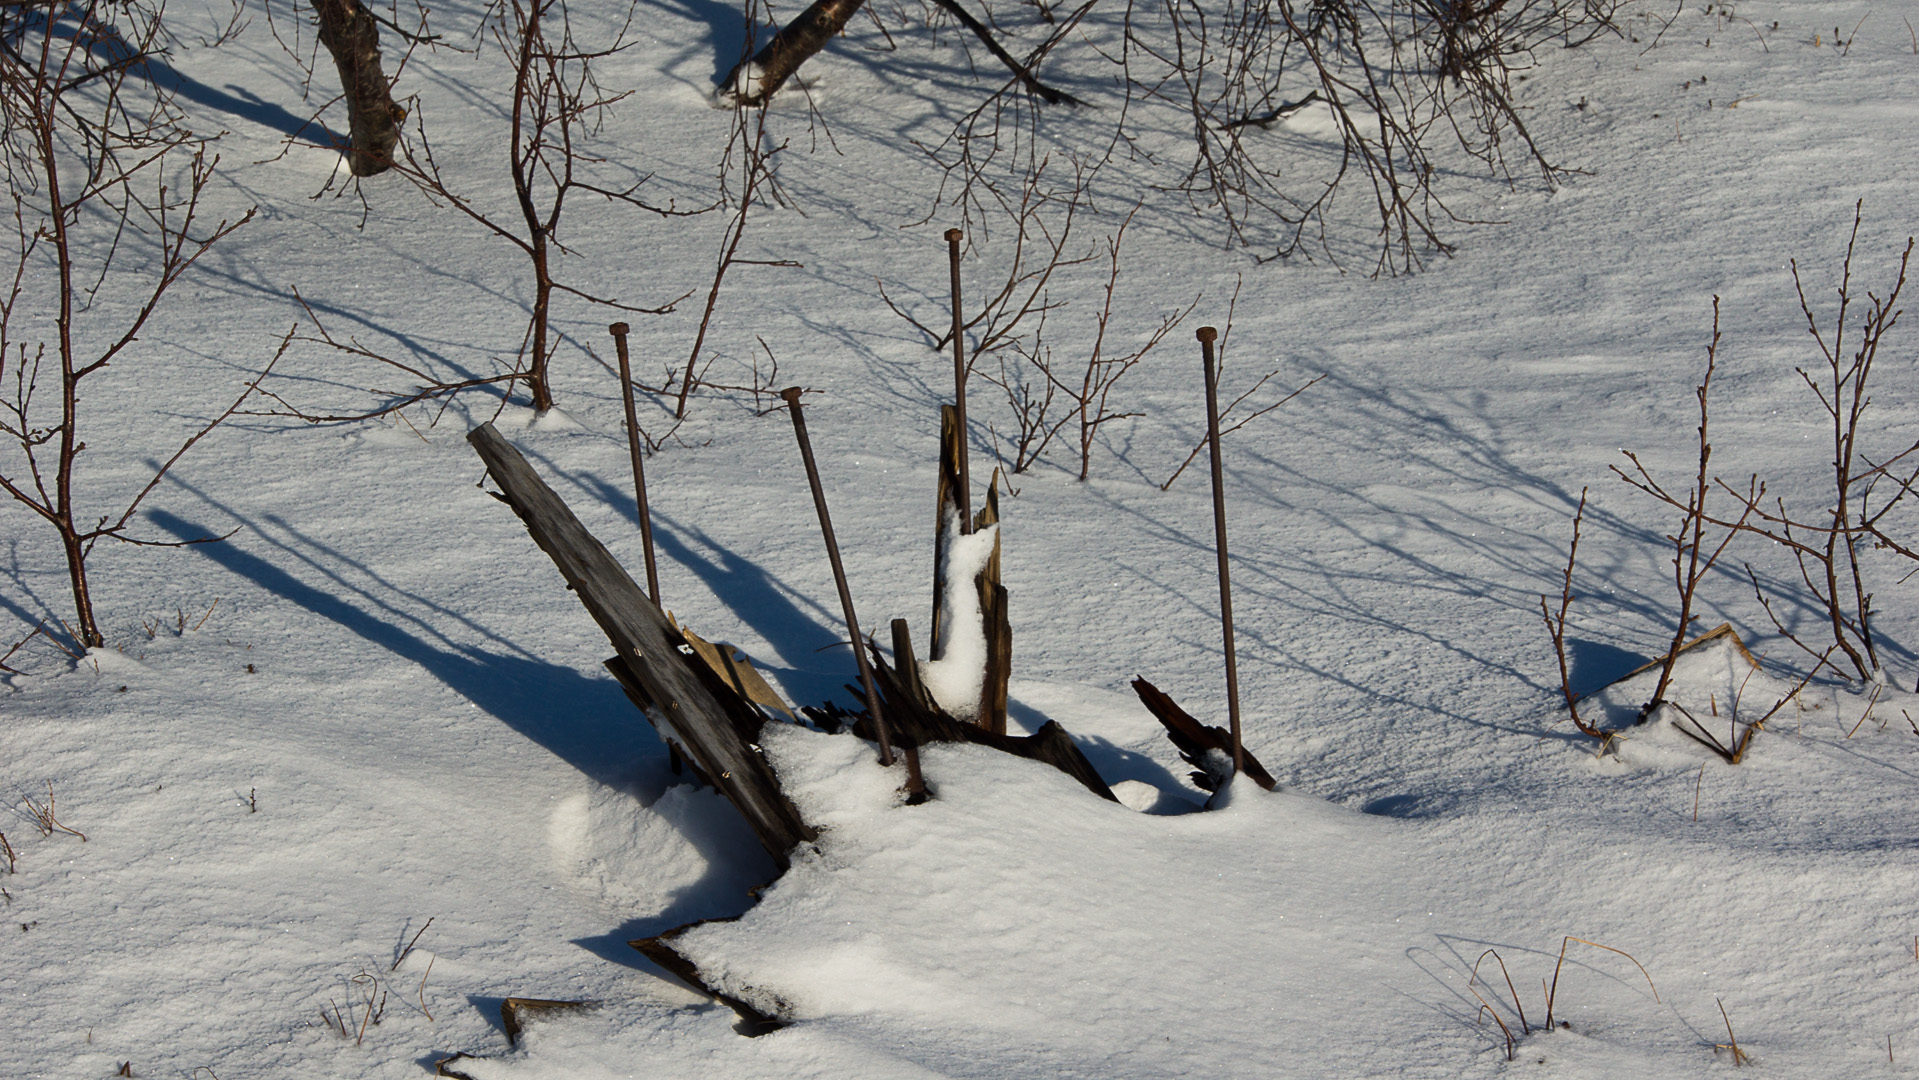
x=905, y=667
x=736, y=671
x=916, y=723
x=690, y=705
x=1194, y=739
x=995, y=622
x=946, y=507
x=660, y=950
x=515, y=1012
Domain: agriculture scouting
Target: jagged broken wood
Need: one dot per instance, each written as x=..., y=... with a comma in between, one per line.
x=1208, y=749
x=916, y=721
x=682, y=697
x=995, y=622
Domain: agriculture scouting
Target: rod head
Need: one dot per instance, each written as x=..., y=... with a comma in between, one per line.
x=791, y=394
x=618, y=329
x=1207, y=334
x=953, y=236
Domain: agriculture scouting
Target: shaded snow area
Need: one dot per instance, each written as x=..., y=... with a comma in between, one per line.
x=375, y=703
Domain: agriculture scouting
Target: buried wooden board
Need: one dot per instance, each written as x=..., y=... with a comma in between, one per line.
x=684, y=699
x=659, y=949
x=516, y=1013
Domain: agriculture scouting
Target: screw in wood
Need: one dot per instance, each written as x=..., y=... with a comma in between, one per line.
x=792, y=396
x=953, y=237
x=619, y=331
x=1207, y=335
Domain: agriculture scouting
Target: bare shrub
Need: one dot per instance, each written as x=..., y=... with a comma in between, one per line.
x=1411, y=88
x=1828, y=545
x=557, y=106
x=1088, y=388
x=105, y=183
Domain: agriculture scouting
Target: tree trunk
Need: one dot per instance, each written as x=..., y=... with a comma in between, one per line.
x=753, y=82
x=348, y=31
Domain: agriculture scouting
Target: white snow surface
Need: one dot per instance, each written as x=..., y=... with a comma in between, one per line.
x=375, y=703
x=957, y=677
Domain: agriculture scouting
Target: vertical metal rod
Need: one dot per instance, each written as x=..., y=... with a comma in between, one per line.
x=619, y=330
x=953, y=237
x=1207, y=335
x=792, y=396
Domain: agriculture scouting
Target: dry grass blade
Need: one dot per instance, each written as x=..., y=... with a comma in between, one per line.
x=1518, y=1006
x=1553, y=990
x=1485, y=1009
x=1740, y=1057
x=44, y=816
x=404, y=953
x=422, y=991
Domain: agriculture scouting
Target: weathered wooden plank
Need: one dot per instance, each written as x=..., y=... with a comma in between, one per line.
x=691, y=707
x=995, y=621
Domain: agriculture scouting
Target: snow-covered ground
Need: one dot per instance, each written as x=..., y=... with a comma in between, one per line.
x=375, y=704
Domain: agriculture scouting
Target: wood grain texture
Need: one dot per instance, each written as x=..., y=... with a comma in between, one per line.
x=690, y=707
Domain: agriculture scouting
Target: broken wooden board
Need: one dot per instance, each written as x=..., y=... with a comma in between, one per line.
x=516, y=1013
x=660, y=950
x=994, y=621
x=736, y=671
x=683, y=698
x=915, y=723
x=945, y=510
x=1196, y=741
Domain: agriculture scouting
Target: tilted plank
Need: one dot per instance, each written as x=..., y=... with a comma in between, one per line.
x=713, y=728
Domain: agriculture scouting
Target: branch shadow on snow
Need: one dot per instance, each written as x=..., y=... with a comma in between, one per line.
x=809, y=657
x=106, y=44
x=586, y=722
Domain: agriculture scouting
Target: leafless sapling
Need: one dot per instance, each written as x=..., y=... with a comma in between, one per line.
x=1226, y=417
x=1089, y=390
x=105, y=183
x=1043, y=216
x=1827, y=548
x=557, y=107
x=749, y=154
x=1556, y=628
x=1691, y=562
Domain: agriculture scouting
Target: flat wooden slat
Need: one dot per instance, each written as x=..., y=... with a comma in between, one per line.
x=712, y=728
